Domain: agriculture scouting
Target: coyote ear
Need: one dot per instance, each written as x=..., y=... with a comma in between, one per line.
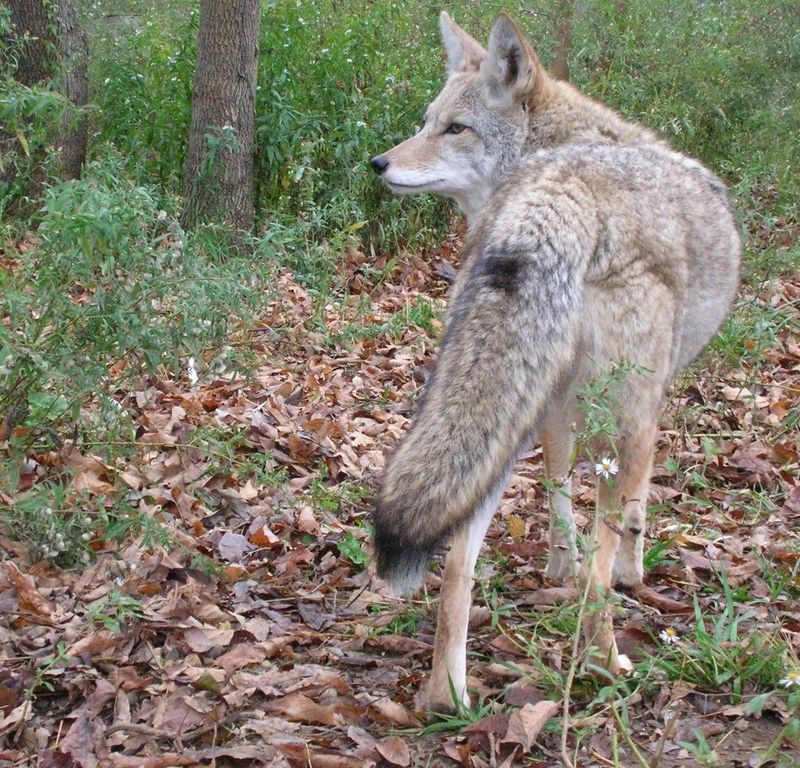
x=511, y=65
x=464, y=52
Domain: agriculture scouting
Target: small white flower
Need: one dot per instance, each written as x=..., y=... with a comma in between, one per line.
x=86, y=536
x=606, y=467
x=791, y=680
x=87, y=520
x=349, y=61
x=191, y=372
x=669, y=635
x=131, y=567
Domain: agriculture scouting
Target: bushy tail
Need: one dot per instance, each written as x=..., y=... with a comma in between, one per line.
x=510, y=341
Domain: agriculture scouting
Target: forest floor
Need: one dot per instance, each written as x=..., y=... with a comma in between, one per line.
x=242, y=625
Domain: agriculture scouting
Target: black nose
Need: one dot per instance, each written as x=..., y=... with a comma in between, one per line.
x=379, y=164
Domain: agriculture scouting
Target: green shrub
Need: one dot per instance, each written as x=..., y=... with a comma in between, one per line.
x=29, y=121
x=113, y=289
x=338, y=83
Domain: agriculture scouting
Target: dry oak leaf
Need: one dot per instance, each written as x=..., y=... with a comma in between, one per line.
x=649, y=596
x=167, y=760
x=516, y=527
x=306, y=522
x=551, y=596
x=395, y=751
x=300, y=708
x=366, y=741
x=28, y=597
x=17, y=715
x=203, y=639
x=300, y=754
x=394, y=713
x=93, y=644
x=82, y=739
x=241, y=655
x=180, y=712
x=525, y=725
x=233, y=546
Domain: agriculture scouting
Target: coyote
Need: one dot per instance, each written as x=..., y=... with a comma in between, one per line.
x=590, y=243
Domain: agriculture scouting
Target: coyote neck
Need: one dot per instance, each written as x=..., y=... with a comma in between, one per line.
x=563, y=115
x=472, y=205
x=568, y=116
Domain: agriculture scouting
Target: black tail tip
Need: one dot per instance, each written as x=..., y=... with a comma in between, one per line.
x=402, y=566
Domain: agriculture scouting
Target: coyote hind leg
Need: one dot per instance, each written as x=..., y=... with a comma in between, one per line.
x=628, y=569
x=449, y=673
x=617, y=546
x=557, y=443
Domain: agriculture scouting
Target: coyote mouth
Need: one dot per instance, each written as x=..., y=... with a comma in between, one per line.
x=427, y=184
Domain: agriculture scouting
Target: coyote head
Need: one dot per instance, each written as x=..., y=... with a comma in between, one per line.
x=477, y=127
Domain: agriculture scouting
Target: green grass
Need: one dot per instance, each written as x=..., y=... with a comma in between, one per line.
x=722, y=655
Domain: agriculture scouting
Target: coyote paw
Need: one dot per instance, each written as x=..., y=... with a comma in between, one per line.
x=618, y=666
x=628, y=569
x=624, y=666
x=627, y=573
x=438, y=698
x=562, y=564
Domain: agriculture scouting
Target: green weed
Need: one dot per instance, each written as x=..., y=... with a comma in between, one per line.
x=116, y=611
x=461, y=717
x=59, y=658
x=352, y=549
x=721, y=655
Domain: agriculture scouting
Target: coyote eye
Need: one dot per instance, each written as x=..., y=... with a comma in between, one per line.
x=455, y=128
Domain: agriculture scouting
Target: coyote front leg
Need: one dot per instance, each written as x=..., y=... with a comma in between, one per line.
x=629, y=561
x=449, y=671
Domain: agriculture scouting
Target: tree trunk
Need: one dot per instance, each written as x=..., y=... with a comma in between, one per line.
x=35, y=21
x=55, y=49
x=219, y=163
x=564, y=30
x=74, y=84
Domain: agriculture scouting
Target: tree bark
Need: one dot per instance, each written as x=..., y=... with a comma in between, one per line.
x=74, y=84
x=219, y=164
x=35, y=20
x=564, y=32
x=56, y=49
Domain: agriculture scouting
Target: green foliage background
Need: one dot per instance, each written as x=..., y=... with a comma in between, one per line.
x=339, y=82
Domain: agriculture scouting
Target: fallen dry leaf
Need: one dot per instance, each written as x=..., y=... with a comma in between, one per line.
x=526, y=724
x=31, y=603
x=395, y=751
